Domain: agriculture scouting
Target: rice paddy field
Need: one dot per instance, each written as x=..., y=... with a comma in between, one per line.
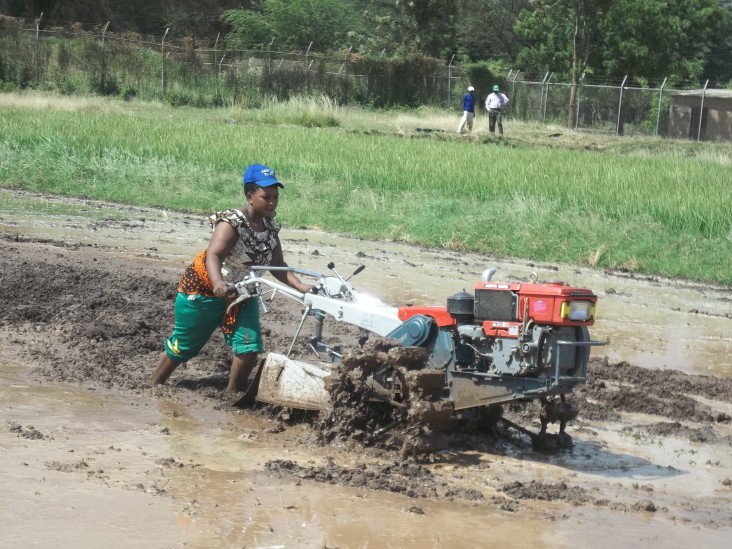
x=650, y=206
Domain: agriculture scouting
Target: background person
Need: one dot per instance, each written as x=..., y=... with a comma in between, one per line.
x=468, y=110
x=494, y=104
x=242, y=237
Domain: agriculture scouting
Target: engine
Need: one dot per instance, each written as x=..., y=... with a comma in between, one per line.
x=507, y=340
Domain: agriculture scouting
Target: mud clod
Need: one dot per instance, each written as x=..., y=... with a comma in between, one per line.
x=383, y=396
x=401, y=476
x=29, y=432
x=645, y=505
x=547, y=492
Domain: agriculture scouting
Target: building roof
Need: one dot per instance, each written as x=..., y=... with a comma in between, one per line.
x=722, y=94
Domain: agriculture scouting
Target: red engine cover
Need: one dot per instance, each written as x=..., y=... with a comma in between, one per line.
x=502, y=313
x=542, y=303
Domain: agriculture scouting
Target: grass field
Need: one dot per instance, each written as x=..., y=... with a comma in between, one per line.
x=648, y=205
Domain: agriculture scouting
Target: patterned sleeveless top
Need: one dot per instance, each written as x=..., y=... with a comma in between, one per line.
x=252, y=248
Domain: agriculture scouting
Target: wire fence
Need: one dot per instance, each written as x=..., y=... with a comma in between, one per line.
x=77, y=60
x=74, y=60
x=619, y=106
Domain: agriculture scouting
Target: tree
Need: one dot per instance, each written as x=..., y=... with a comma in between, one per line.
x=560, y=35
x=718, y=61
x=249, y=29
x=184, y=17
x=657, y=38
x=484, y=29
x=425, y=27
x=643, y=37
x=294, y=24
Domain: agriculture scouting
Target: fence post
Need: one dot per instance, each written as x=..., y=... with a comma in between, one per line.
x=701, y=110
x=216, y=70
x=449, y=81
x=346, y=86
x=104, y=60
x=541, y=98
x=162, y=55
x=216, y=44
x=620, y=106
x=218, y=77
x=268, y=80
x=38, y=51
x=577, y=108
x=310, y=65
x=508, y=79
x=38, y=24
x=513, y=90
x=307, y=54
x=269, y=53
x=658, y=111
x=546, y=101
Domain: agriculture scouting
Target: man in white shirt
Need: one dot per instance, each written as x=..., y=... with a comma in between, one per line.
x=494, y=104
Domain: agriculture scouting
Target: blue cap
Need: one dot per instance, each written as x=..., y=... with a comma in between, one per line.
x=262, y=175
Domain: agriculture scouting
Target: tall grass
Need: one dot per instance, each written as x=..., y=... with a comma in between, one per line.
x=653, y=213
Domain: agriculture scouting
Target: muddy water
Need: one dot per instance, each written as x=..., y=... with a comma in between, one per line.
x=653, y=323
x=128, y=470
x=110, y=471
x=116, y=470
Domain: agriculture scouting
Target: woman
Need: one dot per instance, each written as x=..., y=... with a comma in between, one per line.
x=241, y=237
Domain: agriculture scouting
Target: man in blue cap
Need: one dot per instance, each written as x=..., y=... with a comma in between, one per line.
x=241, y=237
x=468, y=110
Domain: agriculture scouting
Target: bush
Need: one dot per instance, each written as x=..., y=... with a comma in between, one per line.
x=127, y=92
x=484, y=74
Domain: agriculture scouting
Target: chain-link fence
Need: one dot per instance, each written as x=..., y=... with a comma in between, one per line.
x=621, y=106
x=77, y=60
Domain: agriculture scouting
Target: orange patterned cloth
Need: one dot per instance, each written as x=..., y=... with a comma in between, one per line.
x=195, y=281
x=195, y=278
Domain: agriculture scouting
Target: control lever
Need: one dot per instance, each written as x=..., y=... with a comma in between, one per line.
x=262, y=301
x=358, y=270
x=331, y=266
x=240, y=299
x=231, y=291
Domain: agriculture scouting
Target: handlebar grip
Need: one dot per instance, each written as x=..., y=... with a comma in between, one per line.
x=231, y=289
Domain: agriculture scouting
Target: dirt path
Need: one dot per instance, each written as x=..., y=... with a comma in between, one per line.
x=87, y=302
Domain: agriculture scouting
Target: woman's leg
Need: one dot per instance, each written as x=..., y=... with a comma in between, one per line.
x=165, y=367
x=241, y=368
x=245, y=342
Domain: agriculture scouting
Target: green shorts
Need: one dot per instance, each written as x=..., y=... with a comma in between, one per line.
x=196, y=318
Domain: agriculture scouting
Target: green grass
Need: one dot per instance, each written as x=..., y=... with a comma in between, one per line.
x=647, y=205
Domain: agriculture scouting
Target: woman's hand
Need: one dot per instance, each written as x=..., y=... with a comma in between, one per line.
x=221, y=289
x=309, y=288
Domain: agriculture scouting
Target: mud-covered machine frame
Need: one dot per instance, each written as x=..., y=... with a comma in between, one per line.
x=507, y=342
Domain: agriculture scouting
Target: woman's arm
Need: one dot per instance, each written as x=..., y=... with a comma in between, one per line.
x=219, y=248
x=286, y=277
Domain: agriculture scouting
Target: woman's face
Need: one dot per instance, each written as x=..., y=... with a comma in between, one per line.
x=264, y=200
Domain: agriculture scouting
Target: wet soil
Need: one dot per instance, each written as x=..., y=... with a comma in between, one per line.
x=648, y=442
